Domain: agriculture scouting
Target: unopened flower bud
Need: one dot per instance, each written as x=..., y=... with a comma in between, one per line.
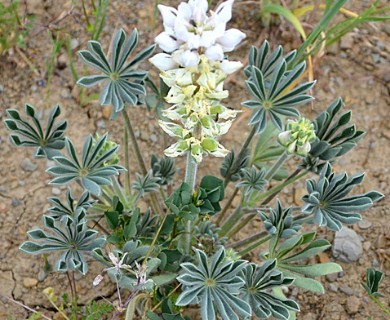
x=297, y=138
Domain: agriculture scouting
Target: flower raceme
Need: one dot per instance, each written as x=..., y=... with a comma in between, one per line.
x=189, y=31
x=194, y=68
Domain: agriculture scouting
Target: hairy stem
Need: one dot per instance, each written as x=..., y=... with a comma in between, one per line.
x=190, y=178
x=380, y=305
x=249, y=240
x=127, y=162
x=231, y=221
x=227, y=206
x=139, y=158
x=271, y=172
x=239, y=156
x=255, y=245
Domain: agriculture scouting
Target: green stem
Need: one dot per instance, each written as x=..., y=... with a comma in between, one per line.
x=127, y=162
x=239, y=156
x=235, y=217
x=85, y=13
x=249, y=240
x=380, y=305
x=271, y=172
x=227, y=206
x=231, y=221
x=138, y=157
x=118, y=191
x=254, y=246
x=190, y=177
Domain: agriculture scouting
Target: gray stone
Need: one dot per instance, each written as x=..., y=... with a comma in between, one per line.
x=347, y=290
x=56, y=191
x=352, y=305
x=364, y=224
x=333, y=287
x=28, y=165
x=153, y=138
x=101, y=124
x=347, y=246
x=29, y=282
x=16, y=202
x=346, y=42
x=331, y=277
x=1, y=88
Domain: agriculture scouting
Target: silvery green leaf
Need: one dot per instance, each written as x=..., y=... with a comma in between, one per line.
x=47, y=141
x=92, y=170
x=123, y=84
x=215, y=284
x=328, y=199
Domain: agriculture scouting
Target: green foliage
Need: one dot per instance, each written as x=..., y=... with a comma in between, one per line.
x=13, y=33
x=69, y=235
x=228, y=168
x=253, y=180
x=96, y=311
x=279, y=222
x=124, y=83
x=327, y=199
x=259, y=281
x=207, y=238
x=164, y=169
x=70, y=207
x=214, y=283
x=335, y=137
x=47, y=142
x=146, y=184
x=373, y=280
x=90, y=171
x=298, y=248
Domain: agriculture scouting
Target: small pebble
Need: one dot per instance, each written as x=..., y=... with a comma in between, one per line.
x=364, y=224
x=153, y=138
x=3, y=207
x=347, y=290
x=16, y=202
x=28, y=165
x=331, y=277
x=352, y=305
x=333, y=287
x=347, y=246
x=29, y=282
x=55, y=191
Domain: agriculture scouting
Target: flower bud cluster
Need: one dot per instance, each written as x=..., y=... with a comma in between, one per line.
x=298, y=136
x=194, y=68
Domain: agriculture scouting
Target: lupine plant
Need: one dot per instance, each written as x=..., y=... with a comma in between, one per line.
x=188, y=251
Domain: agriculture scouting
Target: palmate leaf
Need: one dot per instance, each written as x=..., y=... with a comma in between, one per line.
x=124, y=83
x=70, y=207
x=215, y=284
x=90, y=170
x=327, y=199
x=271, y=84
x=259, y=281
x=227, y=165
x=292, y=253
x=47, y=141
x=279, y=222
x=373, y=280
x=164, y=169
x=252, y=180
x=70, y=236
x=146, y=184
x=335, y=137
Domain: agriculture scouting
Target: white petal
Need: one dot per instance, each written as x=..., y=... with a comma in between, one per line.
x=168, y=14
x=284, y=138
x=220, y=152
x=99, y=278
x=230, y=67
x=189, y=58
x=199, y=10
x=166, y=42
x=231, y=39
x=224, y=11
x=184, y=11
x=214, y=53
x=113, y=258
x=304, y=150
x=163, y=61
x=193, y=40
x=207, y=39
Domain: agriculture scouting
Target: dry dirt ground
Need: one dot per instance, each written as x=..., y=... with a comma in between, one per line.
x=357, y=69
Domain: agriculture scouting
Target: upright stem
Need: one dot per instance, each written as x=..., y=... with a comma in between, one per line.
x=254, y=246
x=138, y=157
x=227, y=206
x=190, y=178
x=240, y=155
x=127, y=162
x=271, y=172
x=231, y=221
